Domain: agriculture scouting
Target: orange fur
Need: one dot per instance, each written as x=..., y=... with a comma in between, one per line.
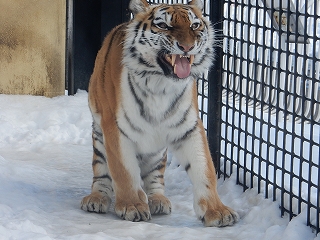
x=104, y=97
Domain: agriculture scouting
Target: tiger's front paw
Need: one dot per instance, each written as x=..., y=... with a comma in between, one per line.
x=134, y=212
x=159, y=204
x=219, y=216
x=96, y=202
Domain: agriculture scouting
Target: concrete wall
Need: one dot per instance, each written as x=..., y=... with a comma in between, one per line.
x=32, y=47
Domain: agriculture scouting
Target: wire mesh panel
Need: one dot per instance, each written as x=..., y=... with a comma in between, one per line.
x=270, y=126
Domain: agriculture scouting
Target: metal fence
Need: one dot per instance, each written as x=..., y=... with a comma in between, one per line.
x=270, y=126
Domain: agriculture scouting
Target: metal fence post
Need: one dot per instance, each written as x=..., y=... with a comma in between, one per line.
x=214, y=88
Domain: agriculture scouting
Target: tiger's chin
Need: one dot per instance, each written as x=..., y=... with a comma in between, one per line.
x=176, y=65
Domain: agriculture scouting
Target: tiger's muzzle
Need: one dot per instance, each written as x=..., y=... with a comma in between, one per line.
x=177, y=64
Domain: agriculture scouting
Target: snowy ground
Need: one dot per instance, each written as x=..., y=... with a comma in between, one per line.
x=45, y=170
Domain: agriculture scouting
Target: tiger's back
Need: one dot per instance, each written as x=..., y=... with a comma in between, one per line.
x=143, y=99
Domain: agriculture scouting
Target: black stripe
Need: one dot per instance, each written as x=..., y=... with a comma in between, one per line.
x=96, y=161
x=97, y=133
x=188, y=166
x=102, y=191
x=164, y=9
x=143, y=92
x=98, y=139
x=158, y=176
x=143, y=113
x=144, y=62
x=131, y=124
x=145, y=25
x=133, y=51
x=123, y=133
x=96, y=129
x=142, y=42
x=136, y=31
x=106, y=187
x=143, y=37
x=98, y=153
x=186, y=135
x=174, y=103
x=157, y=168
x=137, y=99
x=202, y=59
x=183, y=118
x=145, y=72
x=142, y=156
x=146, y=82
x=105, y=176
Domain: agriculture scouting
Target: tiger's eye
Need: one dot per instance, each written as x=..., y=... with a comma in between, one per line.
x=195, y=26
x=162, y=25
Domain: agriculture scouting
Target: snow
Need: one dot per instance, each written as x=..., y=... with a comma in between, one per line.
x=45, y=170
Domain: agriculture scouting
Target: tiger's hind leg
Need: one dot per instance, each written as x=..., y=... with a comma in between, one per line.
x=154, y=187
x=101, y=192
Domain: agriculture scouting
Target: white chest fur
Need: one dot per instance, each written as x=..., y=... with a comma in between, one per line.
x=155, y=111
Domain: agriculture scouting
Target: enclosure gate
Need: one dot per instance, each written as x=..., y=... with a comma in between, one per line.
x=270, y=124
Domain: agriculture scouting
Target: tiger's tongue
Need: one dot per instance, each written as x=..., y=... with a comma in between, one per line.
x=182, y=67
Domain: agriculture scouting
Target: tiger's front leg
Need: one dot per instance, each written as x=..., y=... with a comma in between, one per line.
x=131, y=201
x=153, y=178
x=193, y=152
x=115, y=170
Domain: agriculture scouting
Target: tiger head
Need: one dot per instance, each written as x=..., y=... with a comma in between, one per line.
x=174, y=41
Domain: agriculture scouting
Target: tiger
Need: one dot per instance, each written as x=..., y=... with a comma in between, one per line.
x=143, y=99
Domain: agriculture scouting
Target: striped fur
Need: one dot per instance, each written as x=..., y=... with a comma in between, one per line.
x=143, y=99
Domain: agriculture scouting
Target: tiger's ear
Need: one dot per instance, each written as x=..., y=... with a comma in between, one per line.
x=137, y=6
x=197, y=3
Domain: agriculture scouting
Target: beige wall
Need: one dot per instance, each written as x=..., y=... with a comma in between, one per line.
x=32, y=47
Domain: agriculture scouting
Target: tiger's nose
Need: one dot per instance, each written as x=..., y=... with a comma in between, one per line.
x=185, y=48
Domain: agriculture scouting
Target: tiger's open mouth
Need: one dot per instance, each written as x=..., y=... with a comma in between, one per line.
x=181, y=64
